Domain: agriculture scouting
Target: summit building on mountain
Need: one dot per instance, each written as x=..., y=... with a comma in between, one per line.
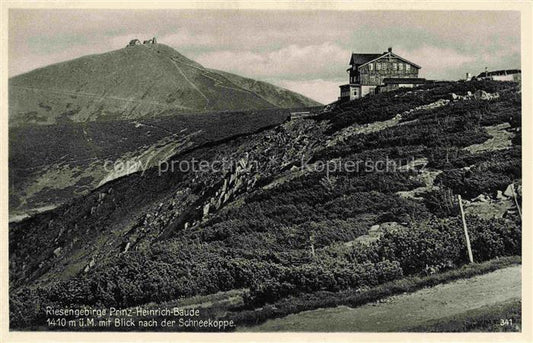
x=372, y=73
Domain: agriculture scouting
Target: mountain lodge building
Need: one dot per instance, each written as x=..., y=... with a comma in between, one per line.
x=372, y=73
x=136, y=41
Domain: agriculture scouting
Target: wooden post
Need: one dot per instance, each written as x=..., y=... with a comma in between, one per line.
x=516, y=201
x=470, y=256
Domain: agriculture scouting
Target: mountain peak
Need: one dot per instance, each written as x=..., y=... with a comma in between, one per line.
x=132, y=82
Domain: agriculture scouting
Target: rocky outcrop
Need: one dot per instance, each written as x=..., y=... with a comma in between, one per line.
x=477, y=95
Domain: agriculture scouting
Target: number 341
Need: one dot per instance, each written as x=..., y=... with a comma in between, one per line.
x=506, y=322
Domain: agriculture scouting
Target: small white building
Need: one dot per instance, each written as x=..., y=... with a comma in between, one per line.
x=502, y=75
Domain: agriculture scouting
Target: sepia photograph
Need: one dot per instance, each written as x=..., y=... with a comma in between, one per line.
x=264, y=170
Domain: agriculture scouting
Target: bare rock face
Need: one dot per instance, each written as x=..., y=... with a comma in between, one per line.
x=206, y=210
x=500, y=196
x=90, y=265
x=127, y=247
x=482, y=95
x=478, y=95
x=509, y=191
x=57, y=252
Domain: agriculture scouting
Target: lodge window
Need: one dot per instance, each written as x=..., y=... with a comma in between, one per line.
x=407, y=67
x=400, y=65
x=395, y=66
x=371, y=66
x=378, y=66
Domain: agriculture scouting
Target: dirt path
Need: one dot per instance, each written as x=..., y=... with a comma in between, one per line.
x=399, y=312
x=191, y=83
x=217, y=83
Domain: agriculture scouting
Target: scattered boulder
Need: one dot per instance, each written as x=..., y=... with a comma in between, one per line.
x=482, y=95
x=206, y=210
x=500, y=196
x=57, y=252
x=91, y=264
x=509, y=191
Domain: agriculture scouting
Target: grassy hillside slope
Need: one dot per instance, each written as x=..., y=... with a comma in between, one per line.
x=133, y=82
x=281, y=221
x=273, y=94
x=51, y=164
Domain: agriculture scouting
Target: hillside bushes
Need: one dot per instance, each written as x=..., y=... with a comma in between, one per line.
x=314, y=277
x=358, y=297
x=385, y=106
x=488, y=175
x=310, y=233
x=425, y=248
x=169, y=271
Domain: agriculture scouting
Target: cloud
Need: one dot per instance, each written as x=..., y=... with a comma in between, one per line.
x=302, y=48
x=185, y=38
x=324, y=91
x=510, y=53
x=436, y=58
x=437, y=62
x=293, y=60
x=451, y=64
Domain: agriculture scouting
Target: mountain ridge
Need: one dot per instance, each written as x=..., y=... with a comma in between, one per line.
x=134, y=82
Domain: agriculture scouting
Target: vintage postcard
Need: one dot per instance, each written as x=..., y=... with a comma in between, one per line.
x=178, y=170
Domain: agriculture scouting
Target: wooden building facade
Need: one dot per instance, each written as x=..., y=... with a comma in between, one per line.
x=368, y=72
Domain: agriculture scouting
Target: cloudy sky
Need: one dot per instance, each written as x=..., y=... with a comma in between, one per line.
x=304, y=51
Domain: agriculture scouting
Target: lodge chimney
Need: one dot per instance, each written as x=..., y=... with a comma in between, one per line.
x=390, y=49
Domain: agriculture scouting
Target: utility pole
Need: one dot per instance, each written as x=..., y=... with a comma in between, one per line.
x=470, y=256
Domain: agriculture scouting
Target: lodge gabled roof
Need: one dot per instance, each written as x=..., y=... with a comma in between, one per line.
x=362, y=59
